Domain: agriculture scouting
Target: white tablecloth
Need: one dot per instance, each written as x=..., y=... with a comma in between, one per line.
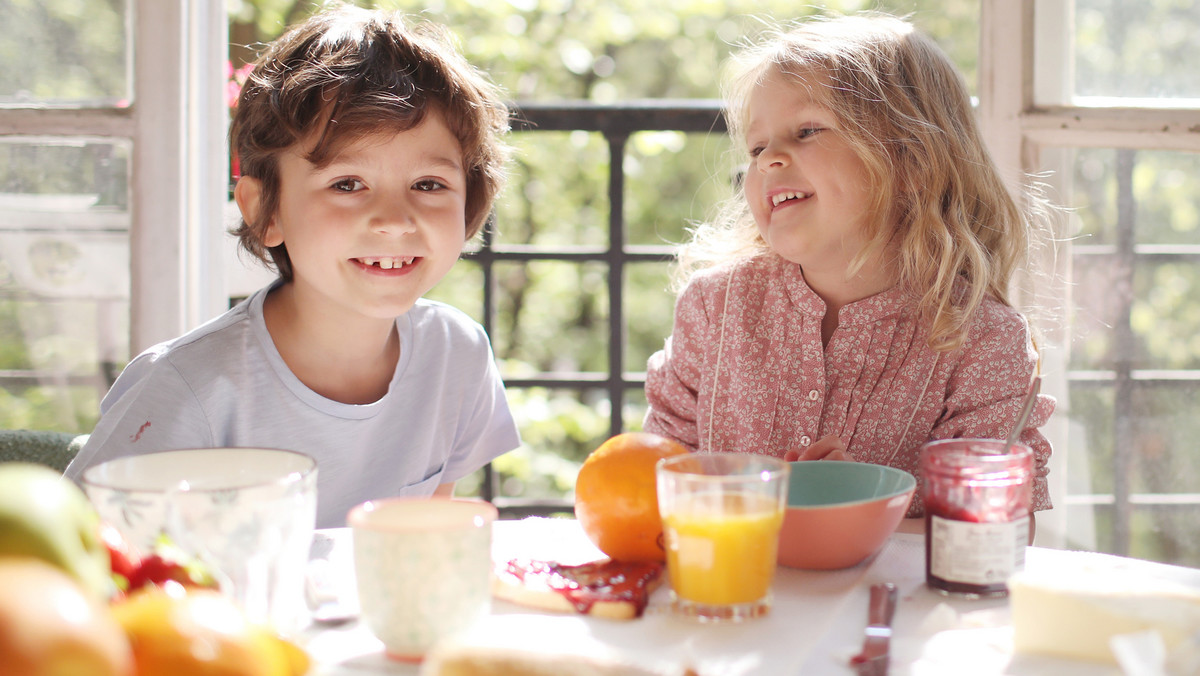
x=815, y=625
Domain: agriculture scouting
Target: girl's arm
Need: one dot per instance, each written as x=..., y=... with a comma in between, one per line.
x=674, y=373
x=987, y=390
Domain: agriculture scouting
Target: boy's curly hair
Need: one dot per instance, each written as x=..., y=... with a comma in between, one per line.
x=346, y=73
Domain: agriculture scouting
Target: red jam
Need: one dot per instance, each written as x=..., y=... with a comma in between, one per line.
x=977, y=505
x=585, y=584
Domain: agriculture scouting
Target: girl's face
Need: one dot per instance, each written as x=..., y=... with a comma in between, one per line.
x=807, y=189
x=376, y=228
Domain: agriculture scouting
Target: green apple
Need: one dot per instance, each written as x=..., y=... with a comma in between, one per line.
x=44, y=515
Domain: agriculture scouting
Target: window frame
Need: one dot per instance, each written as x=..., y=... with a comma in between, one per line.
x=177, y=124
x=1024, y=138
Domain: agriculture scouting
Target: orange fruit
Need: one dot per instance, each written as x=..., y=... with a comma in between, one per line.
x=616, y=496
x=49, y=624
x=201, y=632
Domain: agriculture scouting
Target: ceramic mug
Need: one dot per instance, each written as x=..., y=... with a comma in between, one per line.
x=423, y=569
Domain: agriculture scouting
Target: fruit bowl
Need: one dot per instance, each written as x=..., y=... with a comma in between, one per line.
x=840, y=513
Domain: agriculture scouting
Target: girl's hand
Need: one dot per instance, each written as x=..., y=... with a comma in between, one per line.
x=829, y=448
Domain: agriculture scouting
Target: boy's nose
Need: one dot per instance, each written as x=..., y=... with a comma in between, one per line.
x=394, y=220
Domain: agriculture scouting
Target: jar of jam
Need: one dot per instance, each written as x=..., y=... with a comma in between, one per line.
x=977, y=502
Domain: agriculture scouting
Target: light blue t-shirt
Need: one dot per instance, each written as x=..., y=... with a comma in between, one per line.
x=224, y=384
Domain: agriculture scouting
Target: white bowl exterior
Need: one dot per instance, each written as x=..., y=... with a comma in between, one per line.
x=248, y=513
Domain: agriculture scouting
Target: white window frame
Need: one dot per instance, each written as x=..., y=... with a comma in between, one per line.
x=177, y=123
x=1024, y=136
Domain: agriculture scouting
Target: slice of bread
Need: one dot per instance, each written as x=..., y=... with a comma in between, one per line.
x=460, y=659
x=617, y=590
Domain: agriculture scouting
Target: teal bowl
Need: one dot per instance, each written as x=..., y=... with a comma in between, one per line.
x=840, y=513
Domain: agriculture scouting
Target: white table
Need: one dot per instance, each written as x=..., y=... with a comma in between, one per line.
x=815, y=625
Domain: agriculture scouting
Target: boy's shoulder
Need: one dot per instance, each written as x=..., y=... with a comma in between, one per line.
x=435, y=316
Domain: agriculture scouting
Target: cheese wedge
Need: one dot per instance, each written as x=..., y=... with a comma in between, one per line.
x=1074, y=612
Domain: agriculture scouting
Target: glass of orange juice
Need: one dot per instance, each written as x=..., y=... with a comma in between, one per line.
x=721, y=517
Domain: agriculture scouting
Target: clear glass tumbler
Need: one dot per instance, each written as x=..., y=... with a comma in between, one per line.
x=721, y=518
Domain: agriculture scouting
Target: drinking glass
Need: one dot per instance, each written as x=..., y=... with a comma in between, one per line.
x=247, y=514
x=721, y=518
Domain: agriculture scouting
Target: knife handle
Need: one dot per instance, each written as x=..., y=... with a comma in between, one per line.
x=883, y=604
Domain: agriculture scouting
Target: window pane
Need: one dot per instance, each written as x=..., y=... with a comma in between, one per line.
x=64, y=279
x=559, y=428
x=649, y=312
x=1136, y=49
x=1134, y=352
x=557, y=194
x=672, y=180
x=462, y=288
x=552, y=317
x=64, y=51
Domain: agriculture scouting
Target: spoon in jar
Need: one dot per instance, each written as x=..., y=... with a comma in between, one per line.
x=1035, y=387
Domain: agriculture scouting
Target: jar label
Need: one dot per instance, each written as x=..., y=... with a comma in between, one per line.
x=976, y=553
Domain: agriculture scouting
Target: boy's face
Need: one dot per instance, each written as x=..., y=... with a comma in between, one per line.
x=807, y=189
x=376, y=228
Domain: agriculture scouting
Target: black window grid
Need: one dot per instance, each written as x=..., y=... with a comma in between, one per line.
x=616, y=123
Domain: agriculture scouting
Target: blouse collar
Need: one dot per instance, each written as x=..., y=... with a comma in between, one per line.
x=883, y=305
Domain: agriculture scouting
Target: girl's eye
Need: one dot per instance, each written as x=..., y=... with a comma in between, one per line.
x=756, y=151
x=348, y=185
x=809, y=131
x=428, y=185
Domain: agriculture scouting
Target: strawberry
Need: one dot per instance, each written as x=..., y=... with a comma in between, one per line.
x=168, y=563
x=121, y=558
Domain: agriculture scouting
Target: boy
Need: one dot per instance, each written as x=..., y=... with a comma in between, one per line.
x=370, y=152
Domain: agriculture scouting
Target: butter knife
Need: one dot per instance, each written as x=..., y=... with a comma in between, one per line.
x=873, y=660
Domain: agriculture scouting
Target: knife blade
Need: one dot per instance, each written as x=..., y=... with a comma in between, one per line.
x=873, y=659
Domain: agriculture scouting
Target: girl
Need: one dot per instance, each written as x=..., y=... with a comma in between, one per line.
x=853, y=302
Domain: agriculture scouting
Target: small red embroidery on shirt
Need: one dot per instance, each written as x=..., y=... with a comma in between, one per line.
x=141, y=429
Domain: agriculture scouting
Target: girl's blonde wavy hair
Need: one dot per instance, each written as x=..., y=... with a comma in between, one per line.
x=905, y=110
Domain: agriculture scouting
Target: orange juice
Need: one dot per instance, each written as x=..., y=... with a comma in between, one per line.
x=721, y=549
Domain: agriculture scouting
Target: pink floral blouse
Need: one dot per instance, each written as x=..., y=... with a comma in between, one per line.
x=744, y=370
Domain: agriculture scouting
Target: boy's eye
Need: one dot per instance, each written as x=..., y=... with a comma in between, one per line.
x=428, y=185
x=347, y=185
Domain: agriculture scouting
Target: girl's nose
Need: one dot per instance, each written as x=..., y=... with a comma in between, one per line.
x=772, y=157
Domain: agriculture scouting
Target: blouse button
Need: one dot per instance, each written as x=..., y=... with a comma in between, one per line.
x=813, y=395
x=805, y=440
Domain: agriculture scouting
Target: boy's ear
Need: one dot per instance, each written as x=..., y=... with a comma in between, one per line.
x=248, y=195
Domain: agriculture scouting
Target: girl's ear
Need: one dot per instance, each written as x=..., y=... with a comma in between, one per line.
x=248, y=195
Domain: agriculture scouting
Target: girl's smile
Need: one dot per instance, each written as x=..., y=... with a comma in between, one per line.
x=784, y=198
x=807, y=188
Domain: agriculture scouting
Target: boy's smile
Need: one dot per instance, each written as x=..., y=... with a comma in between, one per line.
x=377, y=227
